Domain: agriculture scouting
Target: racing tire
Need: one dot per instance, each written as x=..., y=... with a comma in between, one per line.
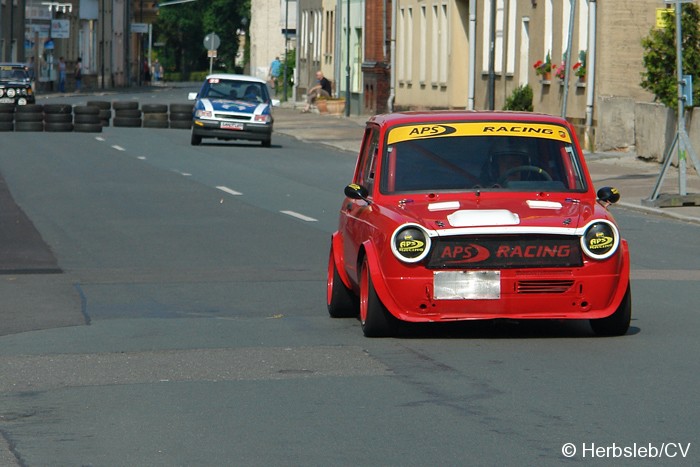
x=86, y=118
x=86, y=110
x=60, y=109
x=154, y=108
x=342, y=303
x=266, y=143
x=375, y=319
x=6, y=107
x=29, y=126
x=617, y=323
x=180, y=124
x=7, y=117
x=88, y=127
x=102, y=105
x=125, y=105
x=196, y=140
x=58, y=126
x=126, y=122
x=180, y=116
x=58, y=118
x=182, y=108
x=30, y=108
x=29, y=117
x=155, y=123
x=105, y=114
x=7, y=126
x=127, y=113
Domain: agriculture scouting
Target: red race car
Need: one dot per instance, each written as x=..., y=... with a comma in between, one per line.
x=456, y=215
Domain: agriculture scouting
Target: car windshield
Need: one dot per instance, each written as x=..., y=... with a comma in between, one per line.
x=468, y=156
x=13, y=73
x=215, y=88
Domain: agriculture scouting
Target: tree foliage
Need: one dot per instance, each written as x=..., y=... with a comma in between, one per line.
x=520, y=99
x=182, y=28
x=659, y=57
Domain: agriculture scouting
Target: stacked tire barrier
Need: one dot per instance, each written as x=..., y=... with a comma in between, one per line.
x=105, y=111
x=87, y=119
x=126, y=114
x=58, y=117
x=181, y=116
x=7, y=117
x=29, y=117
x=155, y=115
x=91, y=118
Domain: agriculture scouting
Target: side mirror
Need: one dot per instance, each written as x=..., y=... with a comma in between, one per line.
x=192, y=96
x=275, y=102
x=608, y=194
x=355, y=191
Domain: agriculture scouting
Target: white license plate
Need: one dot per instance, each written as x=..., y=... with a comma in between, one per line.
x=231, y=126
x=467, y=285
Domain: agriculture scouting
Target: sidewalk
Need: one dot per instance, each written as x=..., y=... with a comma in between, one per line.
x=633, y=177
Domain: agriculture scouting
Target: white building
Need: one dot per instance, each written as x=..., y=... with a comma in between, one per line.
x=270, y=20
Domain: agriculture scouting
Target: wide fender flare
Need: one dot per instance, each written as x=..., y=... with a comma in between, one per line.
x=624, y=275
x=377, y=276
x=339, y=260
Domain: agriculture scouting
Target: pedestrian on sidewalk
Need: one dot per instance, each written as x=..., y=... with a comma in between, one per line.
x=322, y=88
x=61, y=75
x=275, y=68
x=78, y=74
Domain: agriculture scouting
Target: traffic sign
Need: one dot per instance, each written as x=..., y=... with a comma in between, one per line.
x=211, y=41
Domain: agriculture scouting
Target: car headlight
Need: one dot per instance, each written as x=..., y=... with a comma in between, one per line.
x=264, y=118
x=600, y=239
x=11, y=92
x=203, y=113
x=410, y=243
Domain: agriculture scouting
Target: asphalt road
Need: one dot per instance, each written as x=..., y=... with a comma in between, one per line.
x=194, y=329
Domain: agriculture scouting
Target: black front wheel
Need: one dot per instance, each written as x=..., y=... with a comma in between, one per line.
x=196, y=140
x=617, y=323
x=375, y=319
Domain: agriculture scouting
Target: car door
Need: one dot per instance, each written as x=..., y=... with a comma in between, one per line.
x=354, y=224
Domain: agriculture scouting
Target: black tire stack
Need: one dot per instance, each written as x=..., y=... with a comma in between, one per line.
x=155, y=115
x=87, y=119
x=126, y=114
x=29, y=117
x=58, y=117
x=105, y=111
x=7, y=117
x=181, y=116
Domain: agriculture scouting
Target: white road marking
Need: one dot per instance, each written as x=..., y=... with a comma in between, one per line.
x=100, y=138
x=299, y=216
x=142, y=158
x=118, y=148
x=229, y=191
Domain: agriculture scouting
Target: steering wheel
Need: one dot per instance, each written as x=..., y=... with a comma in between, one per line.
x=524, y=168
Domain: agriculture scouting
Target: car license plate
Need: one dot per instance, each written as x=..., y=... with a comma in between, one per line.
x=467, y=285
x=231, y=126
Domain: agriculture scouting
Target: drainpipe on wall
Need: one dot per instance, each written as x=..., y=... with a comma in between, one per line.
x=392, y=53
x=472, y=54
x=590, y=73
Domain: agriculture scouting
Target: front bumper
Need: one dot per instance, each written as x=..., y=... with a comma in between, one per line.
x=247, y=131
x=589, y=292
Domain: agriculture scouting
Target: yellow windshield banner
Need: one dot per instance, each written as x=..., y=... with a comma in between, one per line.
x=441, y=130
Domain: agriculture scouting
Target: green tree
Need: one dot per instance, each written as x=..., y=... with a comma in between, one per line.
x=520, y=99
x=182, y=27
x=659, y=57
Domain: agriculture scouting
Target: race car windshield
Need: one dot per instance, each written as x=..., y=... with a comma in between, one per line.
x=461, y=163
x=235, y=90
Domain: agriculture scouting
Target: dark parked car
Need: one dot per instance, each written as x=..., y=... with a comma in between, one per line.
x=15, y=84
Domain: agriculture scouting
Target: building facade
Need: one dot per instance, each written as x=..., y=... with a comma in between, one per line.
x=273, y=25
